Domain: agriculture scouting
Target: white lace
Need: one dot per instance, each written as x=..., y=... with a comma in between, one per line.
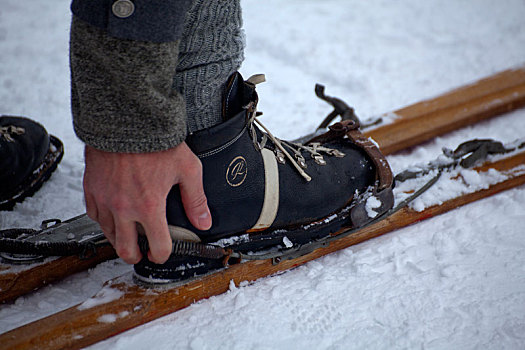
x=298, y=162
x=8, y=131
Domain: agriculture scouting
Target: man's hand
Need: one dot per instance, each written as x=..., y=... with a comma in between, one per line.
x=123, y=189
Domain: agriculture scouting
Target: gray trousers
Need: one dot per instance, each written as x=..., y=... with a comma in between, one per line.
x=211, y=49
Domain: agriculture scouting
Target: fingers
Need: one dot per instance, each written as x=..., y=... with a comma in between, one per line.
x=159, y=239
x=121, y=229
x=107, y=223
x=103, y=217
x=193, y=197
x=91, y=207
x=157, y=233
x=124, y=189
x=126, y=241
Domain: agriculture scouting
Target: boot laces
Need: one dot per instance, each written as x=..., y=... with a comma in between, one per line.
x=9, y=131
x=281, y=146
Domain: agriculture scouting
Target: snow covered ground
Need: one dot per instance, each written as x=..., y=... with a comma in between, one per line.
x=455, y=281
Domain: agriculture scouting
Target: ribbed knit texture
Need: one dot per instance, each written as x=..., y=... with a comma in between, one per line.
x=211, y=49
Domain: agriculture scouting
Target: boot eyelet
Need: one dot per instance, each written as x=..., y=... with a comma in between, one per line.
x=280, y=157
x=320, y=160
x=338, y=153
x=301, y=161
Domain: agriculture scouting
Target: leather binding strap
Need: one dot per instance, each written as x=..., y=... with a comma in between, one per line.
x=350, y=129
x=349, y=126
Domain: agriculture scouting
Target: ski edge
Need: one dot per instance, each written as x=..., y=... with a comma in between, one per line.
x=39, y=274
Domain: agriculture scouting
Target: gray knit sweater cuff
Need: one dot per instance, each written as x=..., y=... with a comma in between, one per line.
x=121, y=92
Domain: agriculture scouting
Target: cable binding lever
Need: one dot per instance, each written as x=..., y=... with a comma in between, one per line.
x=341, y=109
x=77, y=236
x=466, y=155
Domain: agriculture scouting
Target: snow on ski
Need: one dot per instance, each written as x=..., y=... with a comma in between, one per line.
x=401, y=129
x=121, y=304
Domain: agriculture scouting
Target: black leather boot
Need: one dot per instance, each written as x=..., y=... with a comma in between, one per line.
x=28, y=156
x=264, y=192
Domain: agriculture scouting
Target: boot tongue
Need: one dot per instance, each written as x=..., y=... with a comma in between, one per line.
x=238, y=94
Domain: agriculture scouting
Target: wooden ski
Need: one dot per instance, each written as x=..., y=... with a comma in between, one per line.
x=458, y=108
x=412, y=125
x=97, y=318
x=22, y=279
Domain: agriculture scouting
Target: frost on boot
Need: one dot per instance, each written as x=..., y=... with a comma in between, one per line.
x=266, y=193
x=28, y=156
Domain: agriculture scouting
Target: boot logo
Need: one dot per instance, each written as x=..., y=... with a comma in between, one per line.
x=237, y=171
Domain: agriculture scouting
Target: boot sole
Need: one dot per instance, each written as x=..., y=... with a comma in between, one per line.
x=181, y=268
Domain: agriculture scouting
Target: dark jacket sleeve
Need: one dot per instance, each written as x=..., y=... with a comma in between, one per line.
x=145, y=20
x=121, y=91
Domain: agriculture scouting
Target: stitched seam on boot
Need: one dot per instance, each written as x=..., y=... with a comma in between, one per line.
x=223, y=147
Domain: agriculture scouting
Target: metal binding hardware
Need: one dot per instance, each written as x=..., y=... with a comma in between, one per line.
x=466, y=155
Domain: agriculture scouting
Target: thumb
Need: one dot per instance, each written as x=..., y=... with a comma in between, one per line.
x=193, y=198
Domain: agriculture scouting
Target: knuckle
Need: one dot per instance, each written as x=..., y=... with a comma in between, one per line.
x=194, y=168
x=166, y=249
x=126, y=254
x=198, y=167
x=198, y=201
x=91, y=213
x=107, y=229
x=106, y=224
x=161, y=254
x=119, y=204
x=124, y=206
x=149, y=205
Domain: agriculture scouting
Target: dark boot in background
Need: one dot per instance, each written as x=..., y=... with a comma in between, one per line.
x=28, y=156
